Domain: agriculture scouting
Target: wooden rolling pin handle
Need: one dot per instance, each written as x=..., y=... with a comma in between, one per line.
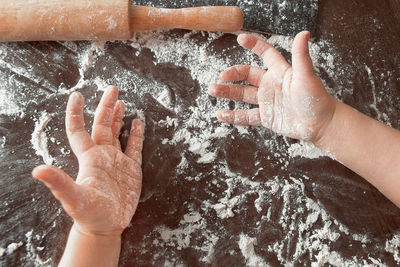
x=210, y=18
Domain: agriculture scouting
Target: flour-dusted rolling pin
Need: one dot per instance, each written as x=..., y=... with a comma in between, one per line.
x=37, y=20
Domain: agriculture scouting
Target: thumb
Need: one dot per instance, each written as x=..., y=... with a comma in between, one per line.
x=62, y=186
x=301, y=61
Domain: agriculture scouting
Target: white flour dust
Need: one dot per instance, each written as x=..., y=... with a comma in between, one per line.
x=7, y=105
x=31, y=251
x=306, y=150
x=393, y=247
x=10, y=248
x=8, y=102
x=305, y=222
x=205, y=67
x=39, y=138
x=246, y=245
x=190, y=223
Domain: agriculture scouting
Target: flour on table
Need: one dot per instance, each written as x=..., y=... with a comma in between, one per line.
x=181, y=237
x=306, y=150
x=39, y=138
x=304, y=222
x=300, y=216
x=86, y=61
x=393, y=247
x=224, y=207
x=32, y=251
x=246, y=245
x=164, y=98
x=7, y=105
x=12, y=247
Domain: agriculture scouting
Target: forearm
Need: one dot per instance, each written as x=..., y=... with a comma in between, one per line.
x=366, y=146
x=90, y=250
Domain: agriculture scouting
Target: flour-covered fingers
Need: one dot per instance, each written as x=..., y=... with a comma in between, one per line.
x=102, y=134
x=62, y=186
x=135, y=142
x=240, y=117
x=245, y=93
x=267, y=52
x=78, y=137
x=252, y=75
x=117, y=122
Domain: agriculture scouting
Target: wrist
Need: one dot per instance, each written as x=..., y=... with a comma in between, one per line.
x=88, y=249
x=78, y=230
x=329, y=128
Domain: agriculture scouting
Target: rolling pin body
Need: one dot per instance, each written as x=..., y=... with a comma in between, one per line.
x=34, y=20
x=41, y=20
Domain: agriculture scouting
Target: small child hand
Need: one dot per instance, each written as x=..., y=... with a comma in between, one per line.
x=292, y=99
x=105, y=195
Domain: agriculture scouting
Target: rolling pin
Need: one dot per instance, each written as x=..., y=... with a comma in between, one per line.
x=40, y=20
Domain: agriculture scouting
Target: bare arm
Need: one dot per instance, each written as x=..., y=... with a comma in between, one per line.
x=368, y=147
x=293, y=102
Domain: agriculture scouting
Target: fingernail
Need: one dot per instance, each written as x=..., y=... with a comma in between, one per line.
x=111, y=88
x=212, y=90
x=75, y=95
x=224, y=115
x=220, y=115
x=240, y=37
x=137, y=128
x=121, y=103
x=37, y=169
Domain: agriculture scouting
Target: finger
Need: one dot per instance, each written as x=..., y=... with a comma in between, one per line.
x=267, y=52
x=78, y=137
x=250, y=74
x=62, y=186
x=243, y=93
x=135, y=142
x=117, y=122
x=102, y=133
x=301, y=59
x=240, y=117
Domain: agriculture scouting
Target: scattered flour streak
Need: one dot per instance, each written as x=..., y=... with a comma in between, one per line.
x=246, y=245
x=39, y=138
x=306, y=150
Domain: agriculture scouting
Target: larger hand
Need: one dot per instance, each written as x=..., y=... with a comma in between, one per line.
x=105, y=195
x=292, y=99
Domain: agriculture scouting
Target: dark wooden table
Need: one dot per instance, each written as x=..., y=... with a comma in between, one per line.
x=349, y=221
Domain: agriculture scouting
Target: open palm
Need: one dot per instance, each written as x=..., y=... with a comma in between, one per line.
x=292, y=99
x=106, y=192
